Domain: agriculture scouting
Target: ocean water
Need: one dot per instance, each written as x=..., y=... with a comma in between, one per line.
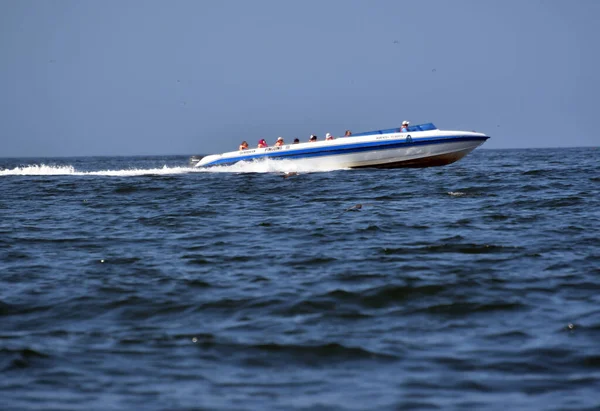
x=141, y=283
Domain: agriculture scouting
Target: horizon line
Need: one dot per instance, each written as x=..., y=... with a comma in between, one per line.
x=182, y=155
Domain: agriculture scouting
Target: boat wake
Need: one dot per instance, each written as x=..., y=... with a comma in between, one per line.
x=263, y=166
x=68, y=170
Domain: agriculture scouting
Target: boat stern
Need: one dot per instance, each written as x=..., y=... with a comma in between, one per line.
x=207, y=160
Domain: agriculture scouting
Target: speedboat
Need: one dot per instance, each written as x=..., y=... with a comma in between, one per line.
x=422, y=145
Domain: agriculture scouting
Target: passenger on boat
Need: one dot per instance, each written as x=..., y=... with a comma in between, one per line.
x=243, y=146
x=262, y=143
x=279, y=141
x=348, y=133
x=296, y=141
x=328, y=136
x=404, y=127
x=312, y=139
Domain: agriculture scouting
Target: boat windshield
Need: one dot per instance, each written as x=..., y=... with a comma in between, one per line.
x=418, y=127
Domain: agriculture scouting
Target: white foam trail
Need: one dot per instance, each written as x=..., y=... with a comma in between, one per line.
x=263, y=166
x=38, y=170
x=141, y=172
x=273, y=166
x=48, y=170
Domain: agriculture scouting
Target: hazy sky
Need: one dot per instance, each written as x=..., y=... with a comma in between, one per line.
x=187, y=77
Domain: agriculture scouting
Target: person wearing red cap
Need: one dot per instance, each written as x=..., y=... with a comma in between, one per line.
x=262, y=143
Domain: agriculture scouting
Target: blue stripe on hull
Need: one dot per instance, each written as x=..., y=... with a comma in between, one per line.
x=346, y=149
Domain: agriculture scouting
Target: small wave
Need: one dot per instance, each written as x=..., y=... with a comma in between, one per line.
x=14, y=256
x=456, y=193
x=467, y=308
x=351, y=303
x=469, y=248
x=591, y=361
x=372, y=228
x=7, y=309
x=195, y=283
x=384, y=296
x=508, y=336
x=132, y=188
x=446, y=247
x=536, y=172
x=498, y=217
x=16, y=359
x=563, y=202
x=24, y=352
x=331, y=351
x=313, y=261
x=120, y=260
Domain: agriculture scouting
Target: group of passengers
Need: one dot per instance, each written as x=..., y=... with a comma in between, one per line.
x=312, y=139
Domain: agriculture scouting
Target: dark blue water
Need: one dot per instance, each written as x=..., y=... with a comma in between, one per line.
x=139, y=283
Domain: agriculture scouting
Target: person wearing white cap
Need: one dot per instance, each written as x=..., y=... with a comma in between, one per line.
x=279, y=141
x=404, y=127
x=328, y=136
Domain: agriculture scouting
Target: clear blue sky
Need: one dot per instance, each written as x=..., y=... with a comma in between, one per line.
x=187, y=77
